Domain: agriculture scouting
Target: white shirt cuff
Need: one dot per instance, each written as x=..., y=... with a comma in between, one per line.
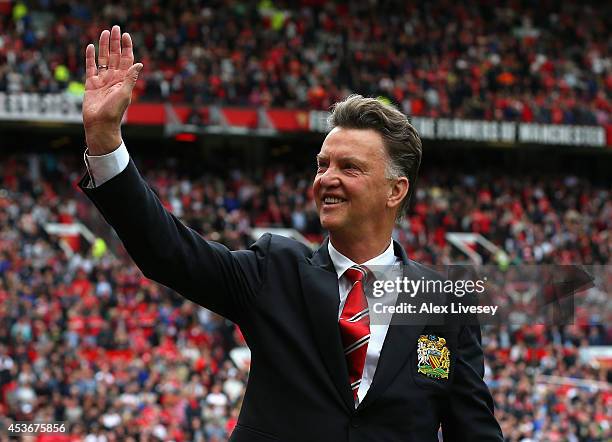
x=102, y=168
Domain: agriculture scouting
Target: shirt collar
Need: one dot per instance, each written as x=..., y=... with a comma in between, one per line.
x=342, y=263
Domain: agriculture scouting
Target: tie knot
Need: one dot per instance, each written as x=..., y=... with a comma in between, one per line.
x=356, y=273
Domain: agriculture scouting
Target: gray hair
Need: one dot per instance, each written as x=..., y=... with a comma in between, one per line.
x=400, y=138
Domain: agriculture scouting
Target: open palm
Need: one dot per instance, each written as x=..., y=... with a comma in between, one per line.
x=110, y=81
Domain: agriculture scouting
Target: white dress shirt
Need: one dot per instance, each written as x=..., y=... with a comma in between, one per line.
x=102, y=168
x=378, y=332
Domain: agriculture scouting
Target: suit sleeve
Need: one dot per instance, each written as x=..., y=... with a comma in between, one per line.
x=468, y=414
x=174, y=255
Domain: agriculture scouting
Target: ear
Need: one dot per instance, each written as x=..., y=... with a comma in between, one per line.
x=397, y=192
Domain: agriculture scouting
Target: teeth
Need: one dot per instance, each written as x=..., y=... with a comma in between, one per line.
x=330, y=200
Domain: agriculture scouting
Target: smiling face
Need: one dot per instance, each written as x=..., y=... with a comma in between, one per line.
x=352, y=193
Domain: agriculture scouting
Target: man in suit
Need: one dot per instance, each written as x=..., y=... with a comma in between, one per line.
x=320, y=369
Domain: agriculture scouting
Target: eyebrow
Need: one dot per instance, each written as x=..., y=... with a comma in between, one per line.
x=346, y=158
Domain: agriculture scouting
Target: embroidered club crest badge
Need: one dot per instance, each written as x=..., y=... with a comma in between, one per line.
x=433, y=357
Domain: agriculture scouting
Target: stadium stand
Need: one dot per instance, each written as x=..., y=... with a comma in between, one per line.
x=544, y=62
x=86, y=339
x=90, y=341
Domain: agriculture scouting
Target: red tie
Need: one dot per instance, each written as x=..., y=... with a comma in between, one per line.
x=355, y=327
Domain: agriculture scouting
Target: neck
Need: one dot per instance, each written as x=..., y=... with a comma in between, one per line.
x=362, y=250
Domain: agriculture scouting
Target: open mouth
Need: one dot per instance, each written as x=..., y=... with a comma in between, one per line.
x=332, y=201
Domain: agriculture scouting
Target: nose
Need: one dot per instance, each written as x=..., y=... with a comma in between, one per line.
x=329, y=178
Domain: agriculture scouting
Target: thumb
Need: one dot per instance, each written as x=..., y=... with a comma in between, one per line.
x=131, y=77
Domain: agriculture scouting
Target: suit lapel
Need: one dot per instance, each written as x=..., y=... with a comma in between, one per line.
x=321, y=294
x=399, y=343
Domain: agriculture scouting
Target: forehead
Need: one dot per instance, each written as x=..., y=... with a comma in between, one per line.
x=362, y=143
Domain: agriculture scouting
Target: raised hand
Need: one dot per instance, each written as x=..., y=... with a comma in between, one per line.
x=108, y=89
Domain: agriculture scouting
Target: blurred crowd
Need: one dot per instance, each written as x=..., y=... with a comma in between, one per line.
x=545, y=61
x=89, y=341
x=531, y=403
x=536, y=219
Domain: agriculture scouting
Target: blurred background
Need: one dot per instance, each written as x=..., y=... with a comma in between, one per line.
x=513, y=100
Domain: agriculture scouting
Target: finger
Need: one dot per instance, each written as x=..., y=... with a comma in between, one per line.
x=131, y=77
x=103, y=49
x=90, y=62
x=127, y=54
x=115, y=47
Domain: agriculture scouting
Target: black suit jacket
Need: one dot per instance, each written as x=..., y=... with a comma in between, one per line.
x=285, y=299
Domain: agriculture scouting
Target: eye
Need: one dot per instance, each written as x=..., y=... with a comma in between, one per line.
x=351, y=167
x=321, y=166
